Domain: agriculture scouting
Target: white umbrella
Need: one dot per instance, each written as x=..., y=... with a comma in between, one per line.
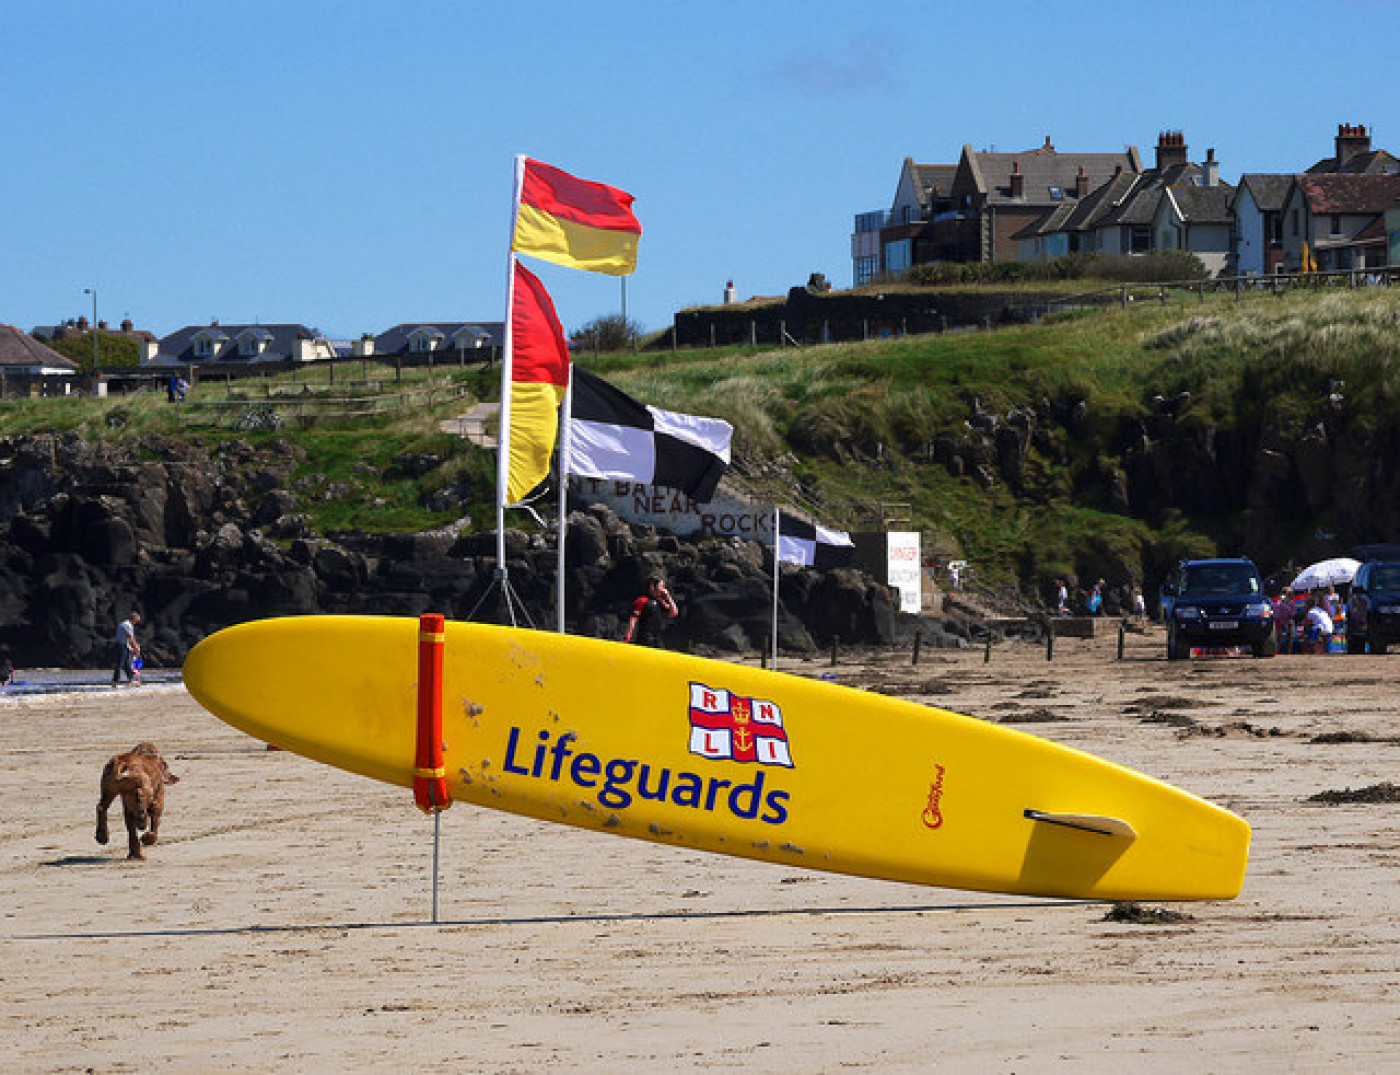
x=1334, y=572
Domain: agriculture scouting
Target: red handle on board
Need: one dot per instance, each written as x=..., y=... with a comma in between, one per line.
x=429, y=775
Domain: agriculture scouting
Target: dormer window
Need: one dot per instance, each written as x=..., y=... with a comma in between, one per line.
x=424, y=340
x=248, y=347
x=466, y=336
x=203, y=347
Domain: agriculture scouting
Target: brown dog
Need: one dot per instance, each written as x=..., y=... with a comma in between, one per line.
x=139, y=777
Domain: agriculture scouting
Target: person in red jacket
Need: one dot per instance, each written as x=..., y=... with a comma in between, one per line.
x=650, y=613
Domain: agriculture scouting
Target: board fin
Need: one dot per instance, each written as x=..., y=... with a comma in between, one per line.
x=1101, y=826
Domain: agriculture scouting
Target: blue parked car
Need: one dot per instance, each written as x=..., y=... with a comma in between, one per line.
x=1212, y=603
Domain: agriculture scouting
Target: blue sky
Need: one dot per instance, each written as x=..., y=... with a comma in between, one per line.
x=348, y=165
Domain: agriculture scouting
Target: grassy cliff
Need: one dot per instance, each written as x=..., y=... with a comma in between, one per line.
x=1104, y=443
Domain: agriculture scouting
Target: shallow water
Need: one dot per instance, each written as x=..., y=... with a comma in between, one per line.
x=28, y=682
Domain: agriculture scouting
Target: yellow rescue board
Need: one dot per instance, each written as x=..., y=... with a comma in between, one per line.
x=703, y=754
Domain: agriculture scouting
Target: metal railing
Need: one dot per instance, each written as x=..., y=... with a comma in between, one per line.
x=276, y=408
x=1275, y=284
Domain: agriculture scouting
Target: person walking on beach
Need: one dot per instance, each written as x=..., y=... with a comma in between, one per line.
x=125, y=650
x=650, y=613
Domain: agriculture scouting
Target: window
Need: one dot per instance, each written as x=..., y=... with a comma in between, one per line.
x=1336, y=224
x=203, y=347
x=1140, y=239
x=1293, y=222
x=248, y=346
x=420, y=343
x=865, y=270
x=898, y=256
x=1057, y=194
x=1219, y=579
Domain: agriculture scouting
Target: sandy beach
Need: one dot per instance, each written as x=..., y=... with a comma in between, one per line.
x=283, y=921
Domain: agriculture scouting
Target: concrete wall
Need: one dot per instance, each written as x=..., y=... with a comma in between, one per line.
x=809, y=318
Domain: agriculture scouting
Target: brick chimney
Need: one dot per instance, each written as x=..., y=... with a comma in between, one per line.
x=1018, y=181
x=1351, y=140
x=1081, y=183
x=1171, y=149
x=1212, y=169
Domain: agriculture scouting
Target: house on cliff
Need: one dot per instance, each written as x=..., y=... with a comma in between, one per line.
x=29, y=367
x=975, y=209
x=1174, y=205
x=449, y=340
x=1258, y=204
x=1353, y=155
x=1258, y=222
x=202, y=345
x=1040, y=204
x=1340, y=218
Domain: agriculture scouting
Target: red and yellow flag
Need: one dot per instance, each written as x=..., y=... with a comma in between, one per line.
x=573, y=222
x=539, y=378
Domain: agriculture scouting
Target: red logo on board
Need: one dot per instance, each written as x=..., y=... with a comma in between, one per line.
x=726, y=727
x=933, y=813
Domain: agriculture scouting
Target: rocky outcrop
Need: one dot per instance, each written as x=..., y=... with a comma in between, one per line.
x=1285, y=481
x=198, y=540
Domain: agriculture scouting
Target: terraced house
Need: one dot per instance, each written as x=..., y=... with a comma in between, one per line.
x=976, y=209
x=1041, y=204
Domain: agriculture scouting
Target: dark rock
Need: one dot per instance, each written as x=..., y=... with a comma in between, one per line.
x=93, y=532
x=109, y=542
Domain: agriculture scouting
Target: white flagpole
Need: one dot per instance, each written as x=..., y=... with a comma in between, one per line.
x=507, y=370
x=777, y=536
x=566, y=436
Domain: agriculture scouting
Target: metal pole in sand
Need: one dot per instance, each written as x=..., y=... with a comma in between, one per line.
x=430, y=791
x=437, y=841
x=777, y=541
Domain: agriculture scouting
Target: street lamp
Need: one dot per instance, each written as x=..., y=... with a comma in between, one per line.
x=96, y=375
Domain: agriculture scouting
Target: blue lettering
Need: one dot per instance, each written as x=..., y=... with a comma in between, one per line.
x=509, y=764
x=715, y=786
x=557, y=761
x=560, y=750
x=776, y=801
x=659, y=795
x=744, y=799
x=614, y=794
x=688, y=789
x=584, y=767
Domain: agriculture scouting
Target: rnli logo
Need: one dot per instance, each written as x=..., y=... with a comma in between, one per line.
x=726, y=727
x=933, y=812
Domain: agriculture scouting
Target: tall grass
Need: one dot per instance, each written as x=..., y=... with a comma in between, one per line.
x=850, y=426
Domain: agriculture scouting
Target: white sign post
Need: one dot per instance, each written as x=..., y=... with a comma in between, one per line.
x=904, y=569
